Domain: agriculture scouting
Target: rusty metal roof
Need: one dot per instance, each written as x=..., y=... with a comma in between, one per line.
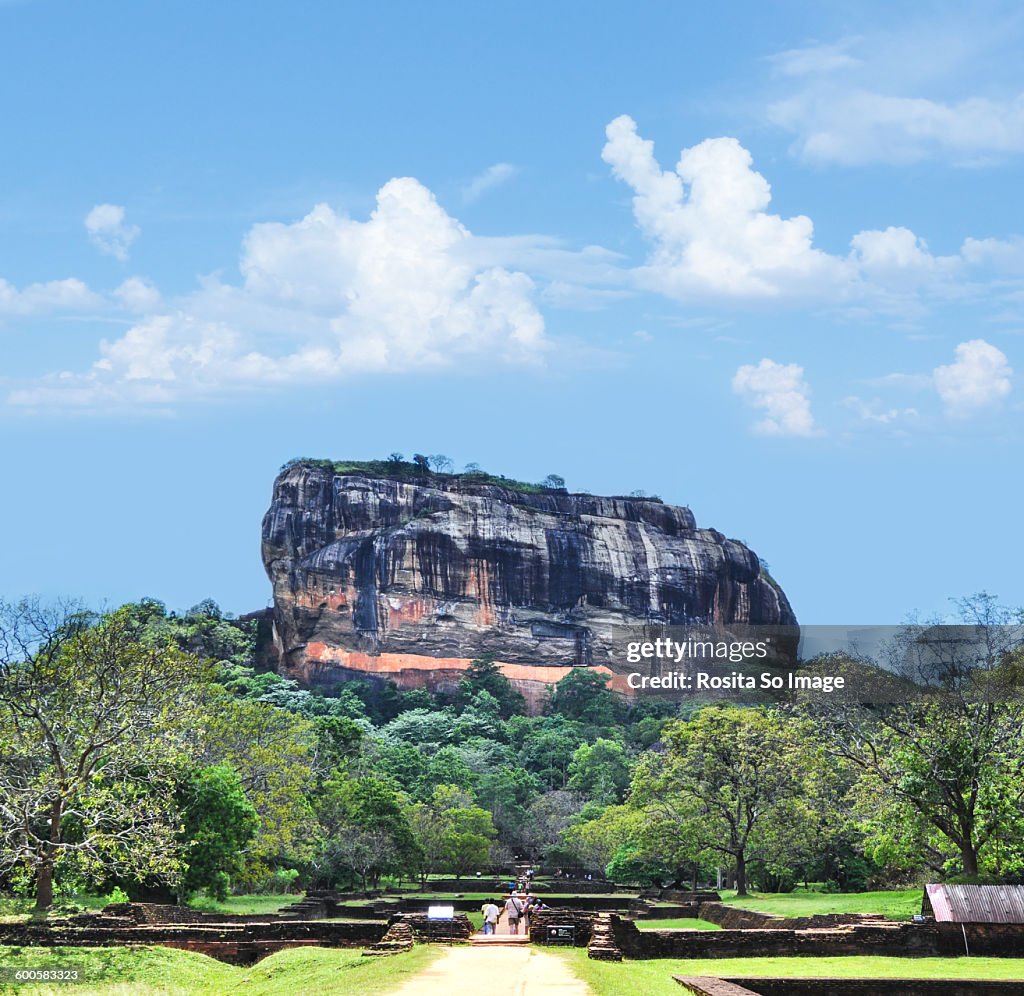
x=977, y=903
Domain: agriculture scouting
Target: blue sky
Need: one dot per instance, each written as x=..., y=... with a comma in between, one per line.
x=764, y=260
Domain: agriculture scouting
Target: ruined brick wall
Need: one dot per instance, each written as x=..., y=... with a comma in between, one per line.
x=582, y=920
x=642, y=911
x=436, y=931
x=878, y=987
x=734, y=918
x=688, y=896
x=198, y=937
x=898, y=939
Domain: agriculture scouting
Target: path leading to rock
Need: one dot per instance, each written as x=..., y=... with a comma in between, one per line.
x=510, y=971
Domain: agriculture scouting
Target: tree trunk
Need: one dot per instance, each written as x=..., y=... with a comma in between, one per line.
x=44, y=879
x=969, y=856
x=741, y=874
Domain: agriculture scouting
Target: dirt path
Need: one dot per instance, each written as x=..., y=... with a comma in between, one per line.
x=511, y=971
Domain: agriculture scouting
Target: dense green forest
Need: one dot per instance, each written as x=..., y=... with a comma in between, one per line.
x=142, y=751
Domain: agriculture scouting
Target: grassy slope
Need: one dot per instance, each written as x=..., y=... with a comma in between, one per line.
x=899, y=905
x=654, y=978
x=164, y=971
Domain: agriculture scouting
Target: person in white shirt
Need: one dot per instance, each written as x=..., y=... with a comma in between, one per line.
x=514, y=909
x=490, y=912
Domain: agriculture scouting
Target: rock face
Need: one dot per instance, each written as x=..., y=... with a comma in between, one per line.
x=413, y=578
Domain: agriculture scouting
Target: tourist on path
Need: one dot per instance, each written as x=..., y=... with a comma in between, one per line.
x=527, y=909
x=514, y=909
x=490, y=912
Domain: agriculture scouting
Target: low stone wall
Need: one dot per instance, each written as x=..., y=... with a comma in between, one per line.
x=240, y=943
x=595, y=904
x=877, y=987
x=582, y=920
x=386, y=907
x=735, y=918
x=499, y=884
x=578, y=886
x=705, y=986
x=436, y=931
x=897, y=939
x=642, y=911
x=684, y=896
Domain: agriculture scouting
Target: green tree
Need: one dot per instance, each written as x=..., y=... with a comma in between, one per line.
x=594, y=842
x=546, y=745
x=275, y=755
x=447, y=767
x=219, y=824
x=484, y=675
x=90, y=718
x=600, y=771
x=730, y=781
x=548, y=818
x=423, y=726
x=507, y=794
x=365, y=829
x=453, y=834
x=584, y=695
x=945, y=758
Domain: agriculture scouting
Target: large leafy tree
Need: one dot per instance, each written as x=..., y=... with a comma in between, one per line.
x=731, y=781
x=546, y=745
x=942, y=763
x=365, y=830
x=595, y=842
x=90, y=732
x=584, y=695
x=453, y=834
x=219, y=824
x=600, y=771
x=484, y=675
x=507, y=793
x=275, y=755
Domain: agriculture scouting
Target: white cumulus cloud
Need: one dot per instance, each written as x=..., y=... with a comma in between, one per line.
x=708, y=224
x=780, y=391
x=137, y=294
x=108, y=232
x=712, y=235
x=322, y=299
x=44, y=298
x=977, y=379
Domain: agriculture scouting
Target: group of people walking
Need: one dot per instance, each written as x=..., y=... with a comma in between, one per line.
x=517, y=908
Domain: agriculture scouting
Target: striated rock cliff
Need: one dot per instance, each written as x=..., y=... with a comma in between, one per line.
x=413, y=577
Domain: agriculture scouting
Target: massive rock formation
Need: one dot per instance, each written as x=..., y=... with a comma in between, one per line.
x=413, y=577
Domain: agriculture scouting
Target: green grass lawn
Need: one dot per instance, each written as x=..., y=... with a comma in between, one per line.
x=654, y=977
x=244, y=904
x=13, y=909
x=680, y=923
x=898, y=905
x=165, y=972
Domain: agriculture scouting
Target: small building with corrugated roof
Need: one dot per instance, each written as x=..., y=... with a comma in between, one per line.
x=974, y=903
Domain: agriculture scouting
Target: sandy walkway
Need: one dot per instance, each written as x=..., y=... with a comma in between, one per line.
x=518, y=971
